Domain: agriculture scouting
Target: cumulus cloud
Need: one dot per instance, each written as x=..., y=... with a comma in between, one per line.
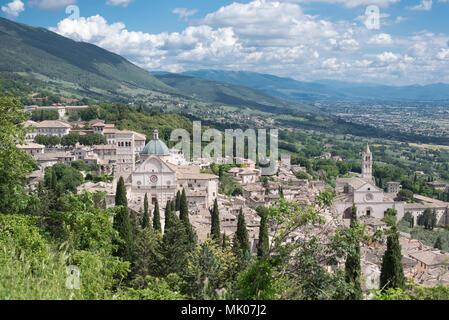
x=272, y=37
x=380, y=39
x=51, y=4
x=425, y=5
x=184, y=13
x=123, y=3
x=352, y=3
x=13, y=9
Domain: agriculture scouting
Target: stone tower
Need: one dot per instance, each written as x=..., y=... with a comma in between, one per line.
x=367, y=164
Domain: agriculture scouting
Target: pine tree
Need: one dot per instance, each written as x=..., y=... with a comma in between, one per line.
x=262, y=245
x=178, y=201
x=353, y=269
x=392, y=272
x=146, y=213
x=241, y=243
x=120, y=195
x=157, y=218
x=215, y=222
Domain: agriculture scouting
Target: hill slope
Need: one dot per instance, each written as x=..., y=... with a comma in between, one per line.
x=231, y=94
x=45, y=55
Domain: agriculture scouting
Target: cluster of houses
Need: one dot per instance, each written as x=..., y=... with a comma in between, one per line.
x=152, y=169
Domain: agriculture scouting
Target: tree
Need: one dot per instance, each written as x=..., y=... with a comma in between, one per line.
x=427, y=219
x=409, y=218
x=146, y=213
x=184, y=217
x=241, y=243
x=353, y=269
x=123, y=225
x=15, y=164
x=392, y=272
x=405, y=195
x=157, y=216
x=184, y=207
x=263, y=244
x=438, y=243
x=225, y=241
x=215, y=223
x=175, y=246
x=178, y=201
x=169, y=217
x=67, y=178
x=70, y=140
x=120, y=195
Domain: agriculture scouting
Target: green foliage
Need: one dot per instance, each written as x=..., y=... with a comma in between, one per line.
x=154, y=289
x=92, y=139
x=70, y=140
x=392, y=272
x=123, y=226
x=405, y=195
x=146, y=212
x=263, y=243
x=240, y=244
x=353, y=269
x=428, y=219
x=48, y=141
x=215, y=223
x=209, y=270
x=258, y=282
x=67, y=177
x=120, y=194
x=15, y=164
x=41, y=115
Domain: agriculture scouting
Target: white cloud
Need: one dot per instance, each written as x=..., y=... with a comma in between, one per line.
x=51, y=4
x=380, y=39
x=352, y=3
x=273, y=37
x=184, y=13
x=123, y=3
x=425, y=5
x=13, y=9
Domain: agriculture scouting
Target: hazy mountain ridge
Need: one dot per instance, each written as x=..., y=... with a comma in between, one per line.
x=325, y=89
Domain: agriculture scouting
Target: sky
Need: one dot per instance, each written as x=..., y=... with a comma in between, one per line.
x=396, y=42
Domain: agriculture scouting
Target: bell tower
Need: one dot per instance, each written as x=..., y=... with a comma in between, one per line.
x=367, y=164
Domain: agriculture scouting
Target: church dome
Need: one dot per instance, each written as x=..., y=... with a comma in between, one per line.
x=156, y=147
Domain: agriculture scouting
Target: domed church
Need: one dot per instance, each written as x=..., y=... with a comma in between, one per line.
x=152, y=175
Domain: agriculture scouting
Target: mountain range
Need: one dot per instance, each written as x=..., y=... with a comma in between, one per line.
x=325, y=90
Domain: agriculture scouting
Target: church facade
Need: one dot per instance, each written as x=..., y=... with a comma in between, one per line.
x=363, y=192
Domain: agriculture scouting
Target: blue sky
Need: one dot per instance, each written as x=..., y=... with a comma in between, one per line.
x=302, y=39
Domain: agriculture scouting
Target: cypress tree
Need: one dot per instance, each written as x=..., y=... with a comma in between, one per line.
x=146, y=213
x=123, y=225
x=184, y=207
x=173, y=205
x=53, y=180
x=438, y=243
x=392, y=272
x=241, y=236
x=215, y=222
x=157, y=217
x=175, y=246
x=178, y=201
x=169, y=217
x=225, y=243
x=184, y=217
x=353, y=269
x=262, y=245
x=120, y=195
